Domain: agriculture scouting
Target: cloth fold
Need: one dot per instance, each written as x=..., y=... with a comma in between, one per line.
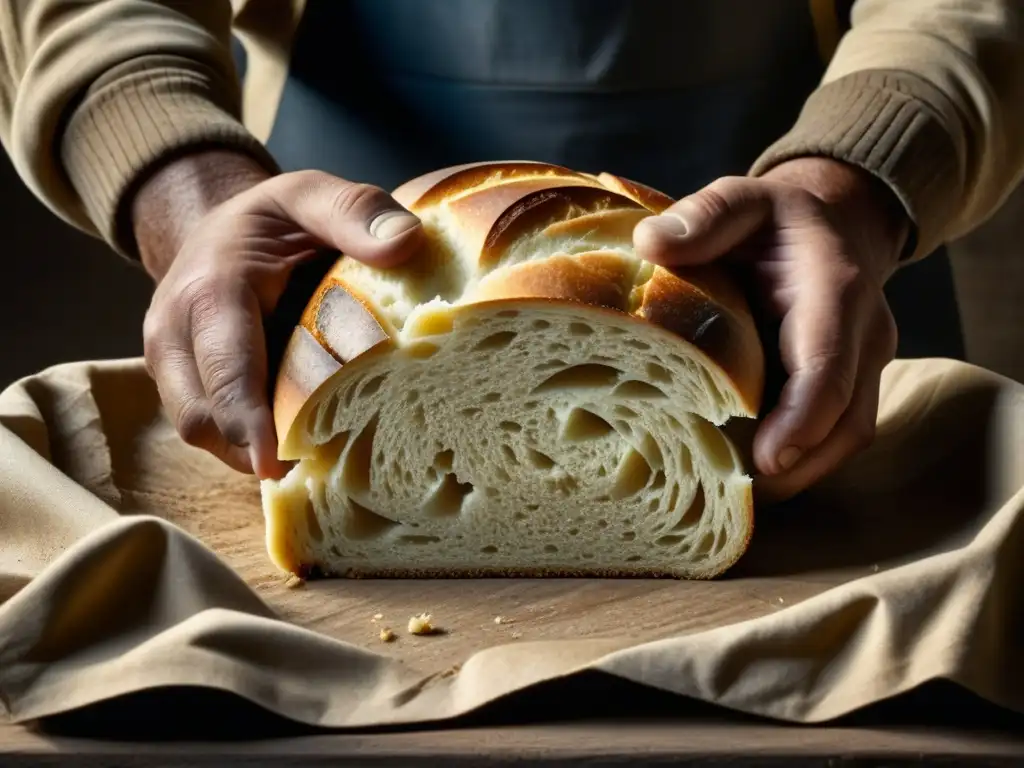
x=131, y=562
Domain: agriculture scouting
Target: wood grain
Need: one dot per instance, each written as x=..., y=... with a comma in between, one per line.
x=591, y=744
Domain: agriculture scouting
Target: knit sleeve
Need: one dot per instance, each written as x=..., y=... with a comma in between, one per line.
x=927, y=95
x=94, y=94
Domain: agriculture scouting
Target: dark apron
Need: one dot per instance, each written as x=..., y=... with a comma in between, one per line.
x=674, y=93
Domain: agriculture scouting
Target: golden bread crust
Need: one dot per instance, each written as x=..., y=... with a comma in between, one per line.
x=495, y=204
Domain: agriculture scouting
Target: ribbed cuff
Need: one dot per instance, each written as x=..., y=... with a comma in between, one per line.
x=883, y=122
x=140, y=115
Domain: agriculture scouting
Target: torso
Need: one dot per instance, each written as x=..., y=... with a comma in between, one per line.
x=673, y=93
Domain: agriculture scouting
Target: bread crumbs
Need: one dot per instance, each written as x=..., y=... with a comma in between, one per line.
x=421, y=625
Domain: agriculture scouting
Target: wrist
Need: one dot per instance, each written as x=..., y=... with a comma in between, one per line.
x=866, y=208
x=179, y=194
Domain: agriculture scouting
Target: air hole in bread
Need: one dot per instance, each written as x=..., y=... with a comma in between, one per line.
x=668, y=540
x=492, y=493
x=585, y=376
x=503, y=474
x=327, y=454
x=693, y=513
x=659, y=481
x=602, y=523
x=539, y=460
x=643, y=346
x=312, y=523
x=496, y=341
x=639, y=390
x=445, y=460
x=533, y=507
x=417, y=539
x=581, y=424
x=447, y=499
x=359, y=457
x=469, y=413
x=361, y=523
x=626, y=413
x=492, y=397
x=511, y=426
x=509, y=313
x=658, y=373
x=685, y=461
x=490, y=549
x=673, y=498
x=628, y=536
x=550, y=548
x=541, y=325
x=716, y=449
x=706, y=543
x=324, y=416
x=557, y=348
x=373, y=386
x=550, y=365
x=580, y=329
x=632, y=475
x=509, y=454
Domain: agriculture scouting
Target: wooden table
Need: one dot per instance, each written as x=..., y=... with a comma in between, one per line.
x=936, y=725
x=603, y=743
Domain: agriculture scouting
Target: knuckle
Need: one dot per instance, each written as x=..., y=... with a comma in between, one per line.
x=225, y=380
x=348, y=199
x=193, y=424
x=714, y=200
x=832, y=369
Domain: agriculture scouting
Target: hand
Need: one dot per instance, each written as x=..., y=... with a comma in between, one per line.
x=820, y=239
x=222, y=237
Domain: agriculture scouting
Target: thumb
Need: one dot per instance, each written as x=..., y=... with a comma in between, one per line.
x=705, y=225
x=362, y=221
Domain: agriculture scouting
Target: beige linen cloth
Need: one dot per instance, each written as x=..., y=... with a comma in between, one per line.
x=129, y=561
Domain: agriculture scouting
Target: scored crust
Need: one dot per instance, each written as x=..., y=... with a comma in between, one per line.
x=516, y=237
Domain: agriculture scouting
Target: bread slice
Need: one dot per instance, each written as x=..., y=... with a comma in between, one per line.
x=527, y=398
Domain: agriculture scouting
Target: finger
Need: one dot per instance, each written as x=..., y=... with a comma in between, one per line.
x=231, y=361
x=360, y=220
x=173, y=368
x=707, y=224
x=853, y=433
x=820, y=341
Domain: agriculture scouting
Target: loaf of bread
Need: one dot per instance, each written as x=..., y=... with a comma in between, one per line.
x=526, y=397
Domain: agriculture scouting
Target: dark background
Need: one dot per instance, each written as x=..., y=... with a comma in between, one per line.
x=68, y=297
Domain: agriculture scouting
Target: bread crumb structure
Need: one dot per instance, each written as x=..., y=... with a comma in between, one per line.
x=421, y=625
x=526, y=397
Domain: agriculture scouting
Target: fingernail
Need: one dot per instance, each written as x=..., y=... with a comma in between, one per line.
x=789, y=456
x=391, y=224
x=671, y=224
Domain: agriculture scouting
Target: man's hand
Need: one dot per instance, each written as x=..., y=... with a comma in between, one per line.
x=222, y=238
x=820, y=239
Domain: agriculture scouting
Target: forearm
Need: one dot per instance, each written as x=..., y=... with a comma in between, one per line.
x=928, y=97
x=94, y=96
x=179, y=194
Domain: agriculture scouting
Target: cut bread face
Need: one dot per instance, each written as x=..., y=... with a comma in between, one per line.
x=527, y=398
